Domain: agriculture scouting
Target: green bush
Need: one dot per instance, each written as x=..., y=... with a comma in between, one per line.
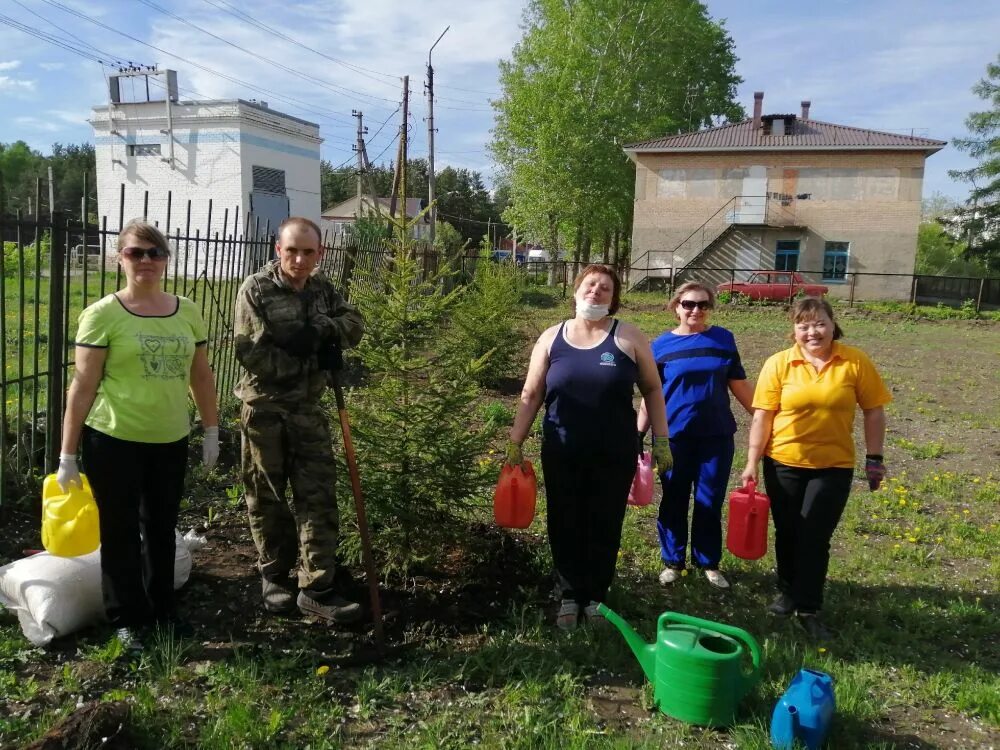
x=11, y=255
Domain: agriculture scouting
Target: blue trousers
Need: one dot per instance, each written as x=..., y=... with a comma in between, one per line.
x=704, y=465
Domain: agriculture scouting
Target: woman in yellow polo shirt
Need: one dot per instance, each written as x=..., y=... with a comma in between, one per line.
x=802, y=427
x=138, y=353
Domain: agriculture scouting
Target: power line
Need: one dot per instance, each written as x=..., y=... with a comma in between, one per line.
x=395, y=138
x=264, y=27
x=50, y=38
x=331, y=123
x=107, y=55
x=336, y=88
x=302, y=105
x=360, y=70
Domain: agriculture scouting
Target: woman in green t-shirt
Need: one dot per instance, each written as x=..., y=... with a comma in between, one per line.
x=138, y=353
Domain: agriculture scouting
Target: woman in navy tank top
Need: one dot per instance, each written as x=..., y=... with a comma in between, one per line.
x=584, y=370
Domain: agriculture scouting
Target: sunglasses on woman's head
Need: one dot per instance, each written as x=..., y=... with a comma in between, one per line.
x=138, y=253
x=691, y=304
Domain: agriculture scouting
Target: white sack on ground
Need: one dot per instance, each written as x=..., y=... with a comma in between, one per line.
x=55, y=596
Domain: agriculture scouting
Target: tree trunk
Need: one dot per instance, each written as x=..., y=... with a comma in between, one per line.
x=552, y=241
x=606, y=254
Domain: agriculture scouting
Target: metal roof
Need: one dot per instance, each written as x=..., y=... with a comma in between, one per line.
x=804, y=135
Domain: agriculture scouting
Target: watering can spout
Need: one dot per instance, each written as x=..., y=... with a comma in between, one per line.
x=785, y=728
x=644, y=652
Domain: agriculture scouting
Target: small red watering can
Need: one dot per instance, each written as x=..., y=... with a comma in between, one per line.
x=514, y=497
x=746, y=535
x=641, y=492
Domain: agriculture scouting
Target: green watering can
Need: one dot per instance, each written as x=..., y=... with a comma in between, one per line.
x=695, y=666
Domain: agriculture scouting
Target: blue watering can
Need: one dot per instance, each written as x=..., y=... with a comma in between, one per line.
x=804, y=713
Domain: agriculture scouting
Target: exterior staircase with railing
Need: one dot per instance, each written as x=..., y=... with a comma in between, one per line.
x=739, y=211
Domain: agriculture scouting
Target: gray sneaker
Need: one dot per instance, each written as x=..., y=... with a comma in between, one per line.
x=278, y=598
x=332, y=607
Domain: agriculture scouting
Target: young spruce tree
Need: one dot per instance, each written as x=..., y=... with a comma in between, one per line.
x=420, y=454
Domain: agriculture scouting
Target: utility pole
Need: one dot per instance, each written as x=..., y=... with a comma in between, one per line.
x=52, y=197
x=430, y=136
x=359, y=147
x=402, y=144
x=399, y=181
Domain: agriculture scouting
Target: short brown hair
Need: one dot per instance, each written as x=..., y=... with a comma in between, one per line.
x=611, y=273
x=808, y=308
x=303, y=222
x=690, y=286
x=143, y=231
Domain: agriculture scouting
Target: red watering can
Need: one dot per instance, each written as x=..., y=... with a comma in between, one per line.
x=746, y=535
x=641, y=492
x=514, y=497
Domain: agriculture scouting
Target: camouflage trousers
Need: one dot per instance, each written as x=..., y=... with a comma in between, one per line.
x=281, y=448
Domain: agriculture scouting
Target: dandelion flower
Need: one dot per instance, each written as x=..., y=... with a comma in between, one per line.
x=320, y=671
x=911, y=539
x=821, y=650
x=966, y=511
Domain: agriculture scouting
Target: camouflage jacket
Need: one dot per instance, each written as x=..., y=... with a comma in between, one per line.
x=268, y=312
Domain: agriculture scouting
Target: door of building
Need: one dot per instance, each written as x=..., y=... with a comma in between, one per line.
x=753, y=198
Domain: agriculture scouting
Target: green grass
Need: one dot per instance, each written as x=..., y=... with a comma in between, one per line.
x=911, y=592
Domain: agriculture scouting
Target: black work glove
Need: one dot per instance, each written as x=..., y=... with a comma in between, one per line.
x=874, y=470
x=640, y=440
x=303, y=342
x=330, y=357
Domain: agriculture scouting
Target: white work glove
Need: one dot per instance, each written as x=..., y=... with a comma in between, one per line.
x=210, y=447
x=68, y=473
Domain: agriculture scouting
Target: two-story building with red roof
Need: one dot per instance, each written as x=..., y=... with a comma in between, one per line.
x=780, y=191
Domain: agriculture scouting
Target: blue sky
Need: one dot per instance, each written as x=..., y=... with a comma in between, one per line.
x=896, y=65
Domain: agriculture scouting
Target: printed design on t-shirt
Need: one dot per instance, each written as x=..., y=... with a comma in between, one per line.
x=164, y=357
x=608, y=360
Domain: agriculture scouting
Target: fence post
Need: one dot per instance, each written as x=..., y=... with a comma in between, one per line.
x=56, y=343
x=979, y=297
x=854, y=283
x=913, y=290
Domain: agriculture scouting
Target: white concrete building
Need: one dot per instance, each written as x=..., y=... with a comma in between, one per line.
x=240, y=155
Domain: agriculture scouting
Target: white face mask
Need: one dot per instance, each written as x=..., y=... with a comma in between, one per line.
x=588, y=311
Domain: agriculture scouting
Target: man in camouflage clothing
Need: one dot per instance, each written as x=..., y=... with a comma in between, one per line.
x=291, y=326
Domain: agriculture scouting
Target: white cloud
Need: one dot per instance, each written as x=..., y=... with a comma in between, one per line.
x=13, y=84
x=10, y=65
x=51, y=65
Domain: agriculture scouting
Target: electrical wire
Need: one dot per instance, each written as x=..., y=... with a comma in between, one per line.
x=304, y=106
x=50, y=38
x=350, y=66
x=106, y=55
x=375, y=160
x=264, y=27
x=336, y=88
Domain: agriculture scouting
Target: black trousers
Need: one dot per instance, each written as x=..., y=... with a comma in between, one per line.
x=585, y=497
x=806, y=505
x=138, y=488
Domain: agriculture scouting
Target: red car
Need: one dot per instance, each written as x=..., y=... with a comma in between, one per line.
x=774, y=285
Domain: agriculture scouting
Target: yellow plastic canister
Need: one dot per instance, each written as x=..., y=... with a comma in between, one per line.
x=70, y=524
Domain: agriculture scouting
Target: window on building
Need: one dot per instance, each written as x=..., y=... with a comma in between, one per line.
x=786, y=255
x=835, y=256
x=144, y=149
x=268, y=180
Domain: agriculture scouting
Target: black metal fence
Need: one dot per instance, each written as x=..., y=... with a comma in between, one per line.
x=53, y=267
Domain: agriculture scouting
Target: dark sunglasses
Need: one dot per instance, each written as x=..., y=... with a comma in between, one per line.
x=701, y=304
x=138, y=253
